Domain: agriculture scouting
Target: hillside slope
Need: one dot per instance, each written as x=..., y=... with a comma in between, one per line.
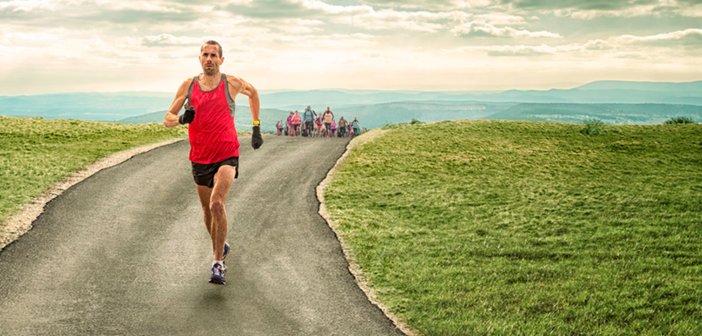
x=521, y=228
x=35, y=152
x=613, y=114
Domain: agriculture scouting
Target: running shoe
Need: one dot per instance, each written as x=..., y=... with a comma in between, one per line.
x=226, y=251
x=224, y=256
x=217, y=275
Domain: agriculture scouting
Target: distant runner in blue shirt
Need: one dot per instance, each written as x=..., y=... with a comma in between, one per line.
x=356, y=126
x=308, y=117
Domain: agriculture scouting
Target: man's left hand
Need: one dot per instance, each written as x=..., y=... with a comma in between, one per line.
x=256, y=139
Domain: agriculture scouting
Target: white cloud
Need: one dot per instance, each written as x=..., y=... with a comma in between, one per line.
x=481, y=28
x=168, y=39
x=687, y=36
x=30, y=5
x=28, y=38
x=297, y=26
x=624, y=12
x=386, y=19
x=501, y=19
x=334, y=9
x=330, y=42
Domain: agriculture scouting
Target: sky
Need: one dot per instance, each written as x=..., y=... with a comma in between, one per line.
x=56, y=46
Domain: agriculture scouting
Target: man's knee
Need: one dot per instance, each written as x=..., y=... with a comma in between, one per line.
x=217, y=208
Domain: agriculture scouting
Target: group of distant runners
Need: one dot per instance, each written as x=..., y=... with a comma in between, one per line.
x=311, y=124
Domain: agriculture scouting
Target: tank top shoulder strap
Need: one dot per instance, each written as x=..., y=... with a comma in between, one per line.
x=190, y=91
x=232, y=105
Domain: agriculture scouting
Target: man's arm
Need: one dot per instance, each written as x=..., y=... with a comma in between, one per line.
x=171, y=119
x=254, y=103
x=241, y=86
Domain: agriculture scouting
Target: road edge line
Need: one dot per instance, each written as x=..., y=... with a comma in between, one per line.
x=21, y=222
x=354, y=268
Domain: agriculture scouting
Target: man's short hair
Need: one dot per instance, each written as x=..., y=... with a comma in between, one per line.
x=213, y=42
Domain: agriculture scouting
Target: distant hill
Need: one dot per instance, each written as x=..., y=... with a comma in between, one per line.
x=156, y=117
x=613, y=114
x=376, y=107
x=644, y=86
x=597, y=96
x=370, y=116
x=242, y=118
x=85, y=106
x=597, y=92
x=378, y=115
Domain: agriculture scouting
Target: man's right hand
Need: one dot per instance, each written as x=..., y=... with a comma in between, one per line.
x=188, y=116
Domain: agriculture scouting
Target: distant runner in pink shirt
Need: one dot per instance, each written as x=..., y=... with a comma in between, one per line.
x=296, y=121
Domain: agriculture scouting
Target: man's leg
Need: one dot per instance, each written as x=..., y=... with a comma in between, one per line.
x=213, y=202
x=205, y=194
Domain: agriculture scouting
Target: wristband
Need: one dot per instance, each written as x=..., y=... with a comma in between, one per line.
x=256, y=122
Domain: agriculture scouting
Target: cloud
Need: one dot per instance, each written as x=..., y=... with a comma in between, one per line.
x=29, y=6
x=331, y=42
x=689, y=38
x=361, y=16
x=629, y=55
x=440, y=5
x=484, y=29
x=590, y=9
x=271, y=9
x=81, y=13
x=401, y=20
x=297, y=27
x=170, y=40
x=30, y=38
x=602, y=5
x=592, y=47
x=500, y=19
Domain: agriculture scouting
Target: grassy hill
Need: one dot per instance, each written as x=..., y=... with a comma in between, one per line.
x=522, y=228
x=35, y=153
x=613, y=114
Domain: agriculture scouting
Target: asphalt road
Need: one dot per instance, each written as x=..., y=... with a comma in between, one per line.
x=125, y=252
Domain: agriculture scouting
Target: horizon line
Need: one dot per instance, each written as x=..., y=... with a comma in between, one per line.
x=271, y=91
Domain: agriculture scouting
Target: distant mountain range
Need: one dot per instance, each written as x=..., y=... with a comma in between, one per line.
x=615, y=102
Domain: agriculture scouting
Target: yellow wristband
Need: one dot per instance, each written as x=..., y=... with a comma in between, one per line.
x=257, y=122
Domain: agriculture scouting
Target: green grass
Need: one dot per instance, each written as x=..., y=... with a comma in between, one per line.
x=35, y=153
x=511, y=228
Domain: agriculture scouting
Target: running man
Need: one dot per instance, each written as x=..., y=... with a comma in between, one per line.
x=290, y=125
x=279, y=127
x=328, y=117
x=214, y=145
x=318, y=122
x=342, y=127
x=308, y=117
x=296, y=122
x=356, y=126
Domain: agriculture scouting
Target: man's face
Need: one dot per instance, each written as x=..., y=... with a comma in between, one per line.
x=210, y=60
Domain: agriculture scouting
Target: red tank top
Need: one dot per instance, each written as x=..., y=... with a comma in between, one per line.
x=212, y=133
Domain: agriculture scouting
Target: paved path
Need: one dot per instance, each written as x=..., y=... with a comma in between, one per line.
x=125, y=252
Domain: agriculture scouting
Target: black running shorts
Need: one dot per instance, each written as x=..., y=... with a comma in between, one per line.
x=204, y=173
